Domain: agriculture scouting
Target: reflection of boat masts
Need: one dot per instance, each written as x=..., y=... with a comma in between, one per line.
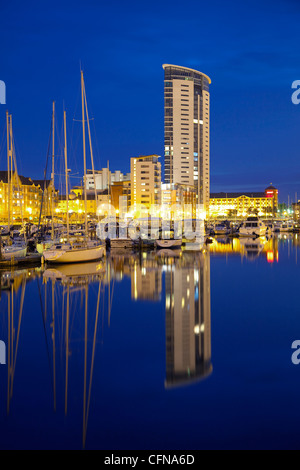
x=13, y=351
x=110, y=299
x=85, y=368
x=67, y=349
x=66, y=308
x=86, y=403
x=53, y=341
x=44, y=317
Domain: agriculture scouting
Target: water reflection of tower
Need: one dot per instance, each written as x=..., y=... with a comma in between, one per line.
x=188, y=322
x=146, y=282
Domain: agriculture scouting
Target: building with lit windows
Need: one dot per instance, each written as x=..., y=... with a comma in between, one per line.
x=178, y=194
x=121, y=197
x=104, y=178
x=145, y=181
x=187, y=130
x=296, y=211
x=263, y=204
x=25, y=197
x=76, y=202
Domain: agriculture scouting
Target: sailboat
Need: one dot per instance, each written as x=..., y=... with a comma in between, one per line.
x=75, y=251
x=47, y=242
x=14, y=250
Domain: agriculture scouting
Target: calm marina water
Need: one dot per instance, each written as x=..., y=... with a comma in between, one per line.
x=154, y=351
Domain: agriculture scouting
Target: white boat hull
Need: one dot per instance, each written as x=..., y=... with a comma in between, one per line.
x=168, y=244
x=250, y=232
x=62, y=256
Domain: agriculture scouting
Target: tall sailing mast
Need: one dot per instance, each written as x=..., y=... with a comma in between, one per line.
x=53, y=166
x=12, y=174
x=9, y=164
x=84, y=152
x=85, y=118
x=67, y=174
x=91, y=147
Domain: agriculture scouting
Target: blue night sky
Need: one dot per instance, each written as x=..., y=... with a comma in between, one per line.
x=250, y=49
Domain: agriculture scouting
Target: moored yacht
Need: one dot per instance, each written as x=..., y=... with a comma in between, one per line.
x=75, y=252
x=221, y=229
x=14, y=251
x=168, y=240
x=253, y=227
x=284, y=227
x=163, y=244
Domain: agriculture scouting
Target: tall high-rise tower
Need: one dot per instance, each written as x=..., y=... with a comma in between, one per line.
x=187, y=129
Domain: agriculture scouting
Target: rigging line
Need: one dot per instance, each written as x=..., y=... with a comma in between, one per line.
x=58, y=136
x=98, y=153
x=91, y=145
x=75, y=137
x=94, y=132
x=45, y=176
x=17, y=152
x=73, y=152
x=59, y=146
x=44, y=325
x=14, y=162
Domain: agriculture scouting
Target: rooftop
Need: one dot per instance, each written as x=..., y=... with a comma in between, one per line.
x=236, y=195
x=24, y=180
x=188, y=70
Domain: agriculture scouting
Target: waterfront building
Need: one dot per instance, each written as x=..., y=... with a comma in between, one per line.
x=178, y=194
x=104, y=179
x=121, y=197
x=188, y=322
x=24, y=198
x=76, y=202
x=262, y=204
x=76, y=205
x=187, y=130
x=145, y=181
x=296, y=211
